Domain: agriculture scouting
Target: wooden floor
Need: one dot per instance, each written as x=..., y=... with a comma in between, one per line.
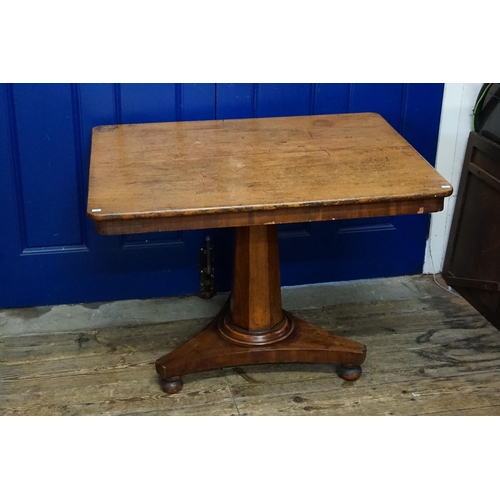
x=431, y=354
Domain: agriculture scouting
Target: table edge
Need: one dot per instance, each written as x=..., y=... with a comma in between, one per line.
x=283, y=215
x=224, y=211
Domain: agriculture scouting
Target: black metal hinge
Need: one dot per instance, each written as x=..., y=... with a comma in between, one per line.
x=207, y=272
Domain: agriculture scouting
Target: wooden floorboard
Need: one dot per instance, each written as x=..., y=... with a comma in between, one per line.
x=399, y=398
x=431, y=354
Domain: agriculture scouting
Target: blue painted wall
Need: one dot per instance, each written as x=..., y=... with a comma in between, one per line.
x=51, y=254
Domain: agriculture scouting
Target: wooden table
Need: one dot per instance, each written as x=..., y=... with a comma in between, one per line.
x=253, y=174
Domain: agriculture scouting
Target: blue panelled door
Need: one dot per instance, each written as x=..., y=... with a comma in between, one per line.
x=51, y=254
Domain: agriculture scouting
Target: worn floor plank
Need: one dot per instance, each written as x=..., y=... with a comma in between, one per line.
x=429, y=353
x=111, y=392
x=422, y=397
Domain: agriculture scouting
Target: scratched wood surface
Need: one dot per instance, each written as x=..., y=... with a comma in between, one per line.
x=255, y=171
x=428, y=354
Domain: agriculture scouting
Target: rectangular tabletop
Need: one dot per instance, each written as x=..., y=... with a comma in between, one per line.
x=221, y=173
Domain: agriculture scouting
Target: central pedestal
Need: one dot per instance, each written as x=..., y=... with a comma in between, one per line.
x=253, y=328
x=256, y=316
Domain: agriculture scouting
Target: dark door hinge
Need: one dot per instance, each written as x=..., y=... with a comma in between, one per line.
x=207, y=274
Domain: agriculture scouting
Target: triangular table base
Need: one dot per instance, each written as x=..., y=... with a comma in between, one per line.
x=307, y=343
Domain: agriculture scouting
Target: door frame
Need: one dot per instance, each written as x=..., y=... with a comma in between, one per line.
x=454, y=129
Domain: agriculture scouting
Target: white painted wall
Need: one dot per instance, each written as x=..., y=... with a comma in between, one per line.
x=456, y=123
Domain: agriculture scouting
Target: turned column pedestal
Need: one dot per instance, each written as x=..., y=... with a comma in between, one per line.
x=252, y=328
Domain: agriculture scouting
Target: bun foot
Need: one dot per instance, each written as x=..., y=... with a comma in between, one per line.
x=349, y=372
x=171, y=385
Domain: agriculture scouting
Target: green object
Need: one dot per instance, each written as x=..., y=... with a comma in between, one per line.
x=478, y=103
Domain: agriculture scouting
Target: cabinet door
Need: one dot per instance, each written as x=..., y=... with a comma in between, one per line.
x=471, y=264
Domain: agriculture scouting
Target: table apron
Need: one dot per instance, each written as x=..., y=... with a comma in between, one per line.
x=281, y=215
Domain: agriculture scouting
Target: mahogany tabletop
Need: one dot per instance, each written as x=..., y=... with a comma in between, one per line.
x=220, y=173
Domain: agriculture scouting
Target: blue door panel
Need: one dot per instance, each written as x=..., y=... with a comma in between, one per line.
x=51, y=253
x=421, y=117
x=99, y=104
x=383, y=98
x=45, y=157
x=197, y=101
x=289, y=99
x=235, y=100
x=331, y=98
x=250, y=100
x=344, y=251
x=147, y=102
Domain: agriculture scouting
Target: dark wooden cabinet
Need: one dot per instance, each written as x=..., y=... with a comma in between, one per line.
x=472, y=262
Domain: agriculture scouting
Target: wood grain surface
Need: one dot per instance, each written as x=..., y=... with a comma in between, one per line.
x=221, y=173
